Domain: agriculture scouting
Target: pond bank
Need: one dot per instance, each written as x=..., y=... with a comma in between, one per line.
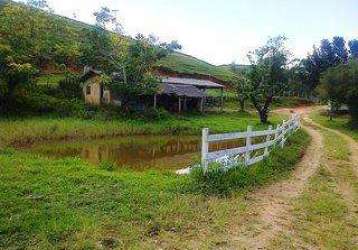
x=25, y=132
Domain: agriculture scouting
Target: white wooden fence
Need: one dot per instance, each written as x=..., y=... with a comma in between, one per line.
x=246, y=155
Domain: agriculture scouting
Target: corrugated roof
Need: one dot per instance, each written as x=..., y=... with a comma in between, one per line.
x=181, y=90
x=192, y=81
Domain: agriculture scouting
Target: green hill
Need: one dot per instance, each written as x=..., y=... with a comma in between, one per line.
x=176, y=62
x=185, y=64
x=240, y=67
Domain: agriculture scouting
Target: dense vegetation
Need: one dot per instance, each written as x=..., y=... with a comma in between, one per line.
x=340, y=85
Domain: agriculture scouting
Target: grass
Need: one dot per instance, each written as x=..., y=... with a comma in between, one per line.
x=340, y=123
x=278, y=166
x=28, y=130
x=323, y=218
x=291, y=102
x=186, y=64
x=50, y=79
x=68, y=203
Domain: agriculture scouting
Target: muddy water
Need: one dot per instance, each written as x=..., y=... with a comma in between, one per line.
x=135, y=152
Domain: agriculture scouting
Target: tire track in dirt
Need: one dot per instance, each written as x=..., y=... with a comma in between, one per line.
x=272, y=204
x=337, y=166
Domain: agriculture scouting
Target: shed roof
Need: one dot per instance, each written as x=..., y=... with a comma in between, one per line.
x=181, y=90
x=192, y=81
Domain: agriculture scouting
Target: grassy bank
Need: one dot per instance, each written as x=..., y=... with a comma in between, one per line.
x=24, y=131
x=340, y=122
x=68, y=203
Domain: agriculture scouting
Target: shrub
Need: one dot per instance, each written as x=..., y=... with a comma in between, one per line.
x=34, y=102
x=71, y=86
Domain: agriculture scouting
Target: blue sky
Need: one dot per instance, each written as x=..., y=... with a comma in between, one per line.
x=222, y=31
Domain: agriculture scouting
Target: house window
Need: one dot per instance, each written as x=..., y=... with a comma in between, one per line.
x=88, y=90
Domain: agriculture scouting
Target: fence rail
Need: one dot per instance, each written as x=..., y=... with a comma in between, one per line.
x=248, y=154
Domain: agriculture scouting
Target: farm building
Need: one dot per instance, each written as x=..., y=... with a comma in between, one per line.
x=176, y=94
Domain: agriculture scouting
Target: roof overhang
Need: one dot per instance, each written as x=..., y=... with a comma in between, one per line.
x=193, y=82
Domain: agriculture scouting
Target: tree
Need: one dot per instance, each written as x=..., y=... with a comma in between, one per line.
x=268, y=76
x=106, y=17
x=137, y=77
x=13, y=73
x=340, y=84
x=39, y=4
x=353, y=48
x=172, y=46
x=340, y=50
x=126, y=66
x=328, y=54
x=241, y=86
x=97, y=49
x=40, y=39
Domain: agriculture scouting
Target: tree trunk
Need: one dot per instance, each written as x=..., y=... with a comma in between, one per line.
x=263, y=116
x=242, y=105
x=353, y=110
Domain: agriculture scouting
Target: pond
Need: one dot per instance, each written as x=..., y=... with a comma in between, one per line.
x=134, y=152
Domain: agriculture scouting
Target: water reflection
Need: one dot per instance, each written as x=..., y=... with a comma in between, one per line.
x=135, y=152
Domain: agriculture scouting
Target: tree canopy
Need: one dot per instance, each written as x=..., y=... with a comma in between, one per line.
x=268, y=76
x=328, y=54
x=340, y=84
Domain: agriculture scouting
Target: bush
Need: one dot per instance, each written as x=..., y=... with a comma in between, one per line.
x=31, y=103
x=71, y=87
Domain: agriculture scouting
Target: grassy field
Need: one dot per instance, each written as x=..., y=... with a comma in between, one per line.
x=340, y=123
x=69, y=204
x=23, y=131
x=324, y=216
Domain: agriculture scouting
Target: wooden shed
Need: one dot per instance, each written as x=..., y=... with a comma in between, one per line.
x=175, y=94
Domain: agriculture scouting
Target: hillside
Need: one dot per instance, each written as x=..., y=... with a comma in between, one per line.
x=174, y=63
x=240, y=67
x=185, y=64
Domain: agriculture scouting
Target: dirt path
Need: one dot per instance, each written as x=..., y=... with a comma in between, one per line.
x=340, y=168
x=272, y=204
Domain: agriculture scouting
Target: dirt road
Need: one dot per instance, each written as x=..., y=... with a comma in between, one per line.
x=272, y=206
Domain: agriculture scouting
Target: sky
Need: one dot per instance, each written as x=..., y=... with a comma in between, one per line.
x=224, y=31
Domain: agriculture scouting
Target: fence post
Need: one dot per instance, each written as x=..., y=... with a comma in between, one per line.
x=277, y=132
x=205, y=149
x=248, y=145
x=298, y=117
x=268, y=138
x=283, y=133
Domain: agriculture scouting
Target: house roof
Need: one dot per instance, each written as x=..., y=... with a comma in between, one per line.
x=181, y=90
x=192, y=82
